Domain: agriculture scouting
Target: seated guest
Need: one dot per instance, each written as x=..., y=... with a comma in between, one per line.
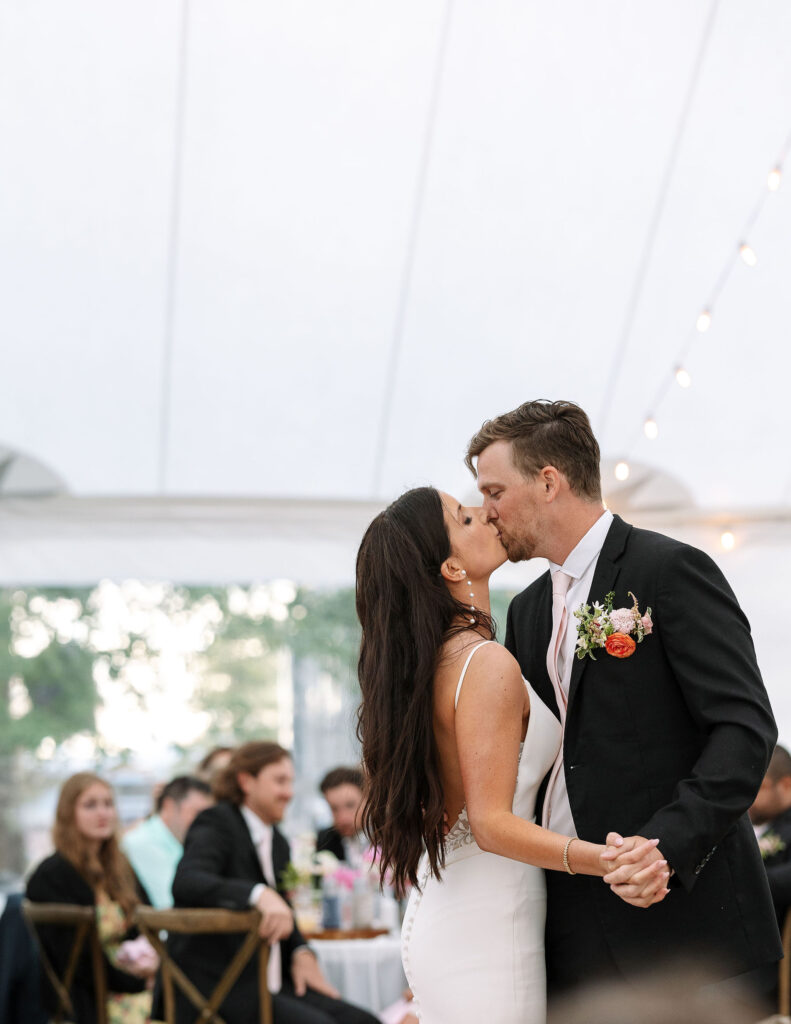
x=343, y=790
x=89, y=869
x=234, y=856
x=214, y=763
x=771, y=818
x=154, y=847
x=20, y=977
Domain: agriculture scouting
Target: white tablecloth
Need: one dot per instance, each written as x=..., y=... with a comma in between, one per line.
x=366, y=972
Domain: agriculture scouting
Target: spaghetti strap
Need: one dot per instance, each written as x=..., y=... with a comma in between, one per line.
x=464, y=670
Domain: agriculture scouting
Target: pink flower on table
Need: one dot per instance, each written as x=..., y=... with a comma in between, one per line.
x=622, y=620
x=346, y=877
x=648, y=625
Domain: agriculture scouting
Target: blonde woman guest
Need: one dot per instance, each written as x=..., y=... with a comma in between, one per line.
x=89, y=869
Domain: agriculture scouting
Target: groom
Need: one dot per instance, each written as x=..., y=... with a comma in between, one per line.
x=666, y=737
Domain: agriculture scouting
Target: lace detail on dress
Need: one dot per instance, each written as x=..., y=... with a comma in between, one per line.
x=461, y=833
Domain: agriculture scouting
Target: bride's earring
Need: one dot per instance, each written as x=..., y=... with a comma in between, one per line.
x=470, y=594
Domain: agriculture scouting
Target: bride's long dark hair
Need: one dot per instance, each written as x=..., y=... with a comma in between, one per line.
x=406, y=612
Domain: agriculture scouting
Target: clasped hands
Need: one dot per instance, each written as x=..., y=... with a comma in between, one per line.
x=635, y=869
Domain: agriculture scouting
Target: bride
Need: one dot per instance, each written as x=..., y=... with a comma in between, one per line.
x=452, y=733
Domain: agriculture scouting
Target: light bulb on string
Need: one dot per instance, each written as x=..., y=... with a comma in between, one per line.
x=704, y=321
x=622, y=471
x=683, y=377
x=651, y=429
x=748, y=254
x=727, y=540
x=773, y=178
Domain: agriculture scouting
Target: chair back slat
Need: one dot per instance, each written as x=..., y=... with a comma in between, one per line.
x=194, y=921
x=784, y=971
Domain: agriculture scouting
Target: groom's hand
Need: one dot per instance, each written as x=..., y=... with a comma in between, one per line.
x=636, y=869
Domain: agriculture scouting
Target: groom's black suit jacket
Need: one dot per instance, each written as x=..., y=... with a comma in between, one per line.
x=670, y=743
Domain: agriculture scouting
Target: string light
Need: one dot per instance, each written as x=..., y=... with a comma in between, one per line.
x=651, y=429
x=703, y=321
x=748, y=254
x=727, y=540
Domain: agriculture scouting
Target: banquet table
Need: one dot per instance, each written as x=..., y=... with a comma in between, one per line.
x=366, y=972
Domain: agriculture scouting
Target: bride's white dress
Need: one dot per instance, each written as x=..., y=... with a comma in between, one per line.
x=473, y=943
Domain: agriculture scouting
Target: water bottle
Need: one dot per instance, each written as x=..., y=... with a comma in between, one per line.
x=330, y=904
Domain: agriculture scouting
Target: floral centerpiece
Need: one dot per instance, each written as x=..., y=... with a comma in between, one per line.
x=770, y=844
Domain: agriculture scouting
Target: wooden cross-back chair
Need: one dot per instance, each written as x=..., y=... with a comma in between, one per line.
x=83, y=922
x=206, y=921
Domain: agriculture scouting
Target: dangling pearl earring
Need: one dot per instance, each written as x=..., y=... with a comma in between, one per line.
x=470, y=594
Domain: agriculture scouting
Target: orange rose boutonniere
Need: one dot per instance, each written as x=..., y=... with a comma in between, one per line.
x=619, y=645
x=618, y=631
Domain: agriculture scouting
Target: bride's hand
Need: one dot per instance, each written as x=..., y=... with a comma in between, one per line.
x=636, y=870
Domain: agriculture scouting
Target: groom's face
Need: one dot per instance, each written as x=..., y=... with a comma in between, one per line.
x=513, y=502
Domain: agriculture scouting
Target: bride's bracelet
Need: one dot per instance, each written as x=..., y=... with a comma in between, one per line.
x=566, y=864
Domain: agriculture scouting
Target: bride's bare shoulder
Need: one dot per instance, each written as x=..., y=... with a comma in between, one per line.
x=492, y=657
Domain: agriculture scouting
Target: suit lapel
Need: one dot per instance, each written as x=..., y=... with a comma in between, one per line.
x=604, y=577
x=539, y=679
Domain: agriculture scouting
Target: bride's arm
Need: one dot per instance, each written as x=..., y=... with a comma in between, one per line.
x=488, y=733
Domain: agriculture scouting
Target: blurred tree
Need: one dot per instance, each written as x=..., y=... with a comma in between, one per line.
x=48, y=686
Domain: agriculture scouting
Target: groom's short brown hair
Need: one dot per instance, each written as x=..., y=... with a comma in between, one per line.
x=546, y=433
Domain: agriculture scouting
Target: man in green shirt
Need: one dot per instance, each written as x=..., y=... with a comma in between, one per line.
x=154, y=847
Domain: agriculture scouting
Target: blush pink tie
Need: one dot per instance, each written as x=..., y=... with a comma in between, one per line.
x=561, y=582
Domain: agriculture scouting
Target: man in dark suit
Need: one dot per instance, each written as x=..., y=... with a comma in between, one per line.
x=342, y=788
x=667, y=726
x=234, y=857
x=771, y=818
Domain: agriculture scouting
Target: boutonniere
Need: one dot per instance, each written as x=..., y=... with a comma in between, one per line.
x=770, y=843
x=618, y=630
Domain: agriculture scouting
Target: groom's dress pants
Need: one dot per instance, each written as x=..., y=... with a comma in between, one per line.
x=577, y=951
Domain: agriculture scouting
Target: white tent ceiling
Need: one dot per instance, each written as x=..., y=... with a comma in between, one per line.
x=263, y=265
x=304, y=249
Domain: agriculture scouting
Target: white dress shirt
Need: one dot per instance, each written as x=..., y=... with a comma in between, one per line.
x=262, y=834
x=580, y=565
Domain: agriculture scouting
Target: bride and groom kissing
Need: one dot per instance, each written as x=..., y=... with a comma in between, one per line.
x=625, y=713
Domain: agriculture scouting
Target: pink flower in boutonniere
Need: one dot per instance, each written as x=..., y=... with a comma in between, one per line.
x=622, y=620
x=617, y=630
